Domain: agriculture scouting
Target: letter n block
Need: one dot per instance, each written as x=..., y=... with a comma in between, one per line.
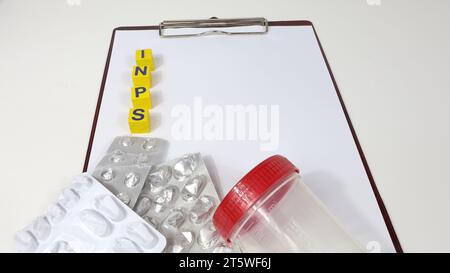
x=139, y=121
x=141, y=76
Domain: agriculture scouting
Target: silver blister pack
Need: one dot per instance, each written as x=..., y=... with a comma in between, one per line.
x=124, y=169
x=129, y=150
x=89, y=218
x=125, y=182
x=179, y=199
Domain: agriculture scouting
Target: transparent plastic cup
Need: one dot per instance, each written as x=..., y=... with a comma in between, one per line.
x=272, y=210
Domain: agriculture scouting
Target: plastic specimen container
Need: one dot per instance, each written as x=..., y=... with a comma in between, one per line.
x=271, y=210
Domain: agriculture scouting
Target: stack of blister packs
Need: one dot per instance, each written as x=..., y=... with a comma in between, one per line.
x=173, y=204
x=179, y=199
x=124, y=168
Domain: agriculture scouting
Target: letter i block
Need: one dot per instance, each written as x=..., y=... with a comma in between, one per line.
x=144, y=57
x=140, y=97
x=139, y=121
x=141, y=76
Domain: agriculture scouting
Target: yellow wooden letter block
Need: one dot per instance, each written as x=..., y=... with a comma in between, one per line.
x=144, y=57
x=139, y=121
x=140, y=97
x=141, y=76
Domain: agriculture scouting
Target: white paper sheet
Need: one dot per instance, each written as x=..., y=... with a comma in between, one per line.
x=283, y=69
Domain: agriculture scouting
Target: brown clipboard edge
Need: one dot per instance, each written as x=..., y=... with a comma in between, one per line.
x=380, y=202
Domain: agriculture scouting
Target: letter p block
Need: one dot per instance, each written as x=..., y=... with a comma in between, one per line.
x=140, y=97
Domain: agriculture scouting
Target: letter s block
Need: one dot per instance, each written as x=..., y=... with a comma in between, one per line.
x=141, y=76
x=144, y=57
x=139, y=121
x=140, y=97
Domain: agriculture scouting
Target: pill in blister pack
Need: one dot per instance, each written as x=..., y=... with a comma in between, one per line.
x=123, y=170
x=179, y=199
x=88, y=218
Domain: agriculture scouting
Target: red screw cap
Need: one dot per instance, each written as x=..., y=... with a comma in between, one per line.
x=248, y=191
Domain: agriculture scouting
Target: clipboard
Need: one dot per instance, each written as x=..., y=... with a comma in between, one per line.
x=275, y=67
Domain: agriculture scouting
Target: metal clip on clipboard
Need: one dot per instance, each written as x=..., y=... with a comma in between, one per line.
x=195, y=28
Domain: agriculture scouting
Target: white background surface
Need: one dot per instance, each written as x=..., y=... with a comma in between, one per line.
x=391, y=63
